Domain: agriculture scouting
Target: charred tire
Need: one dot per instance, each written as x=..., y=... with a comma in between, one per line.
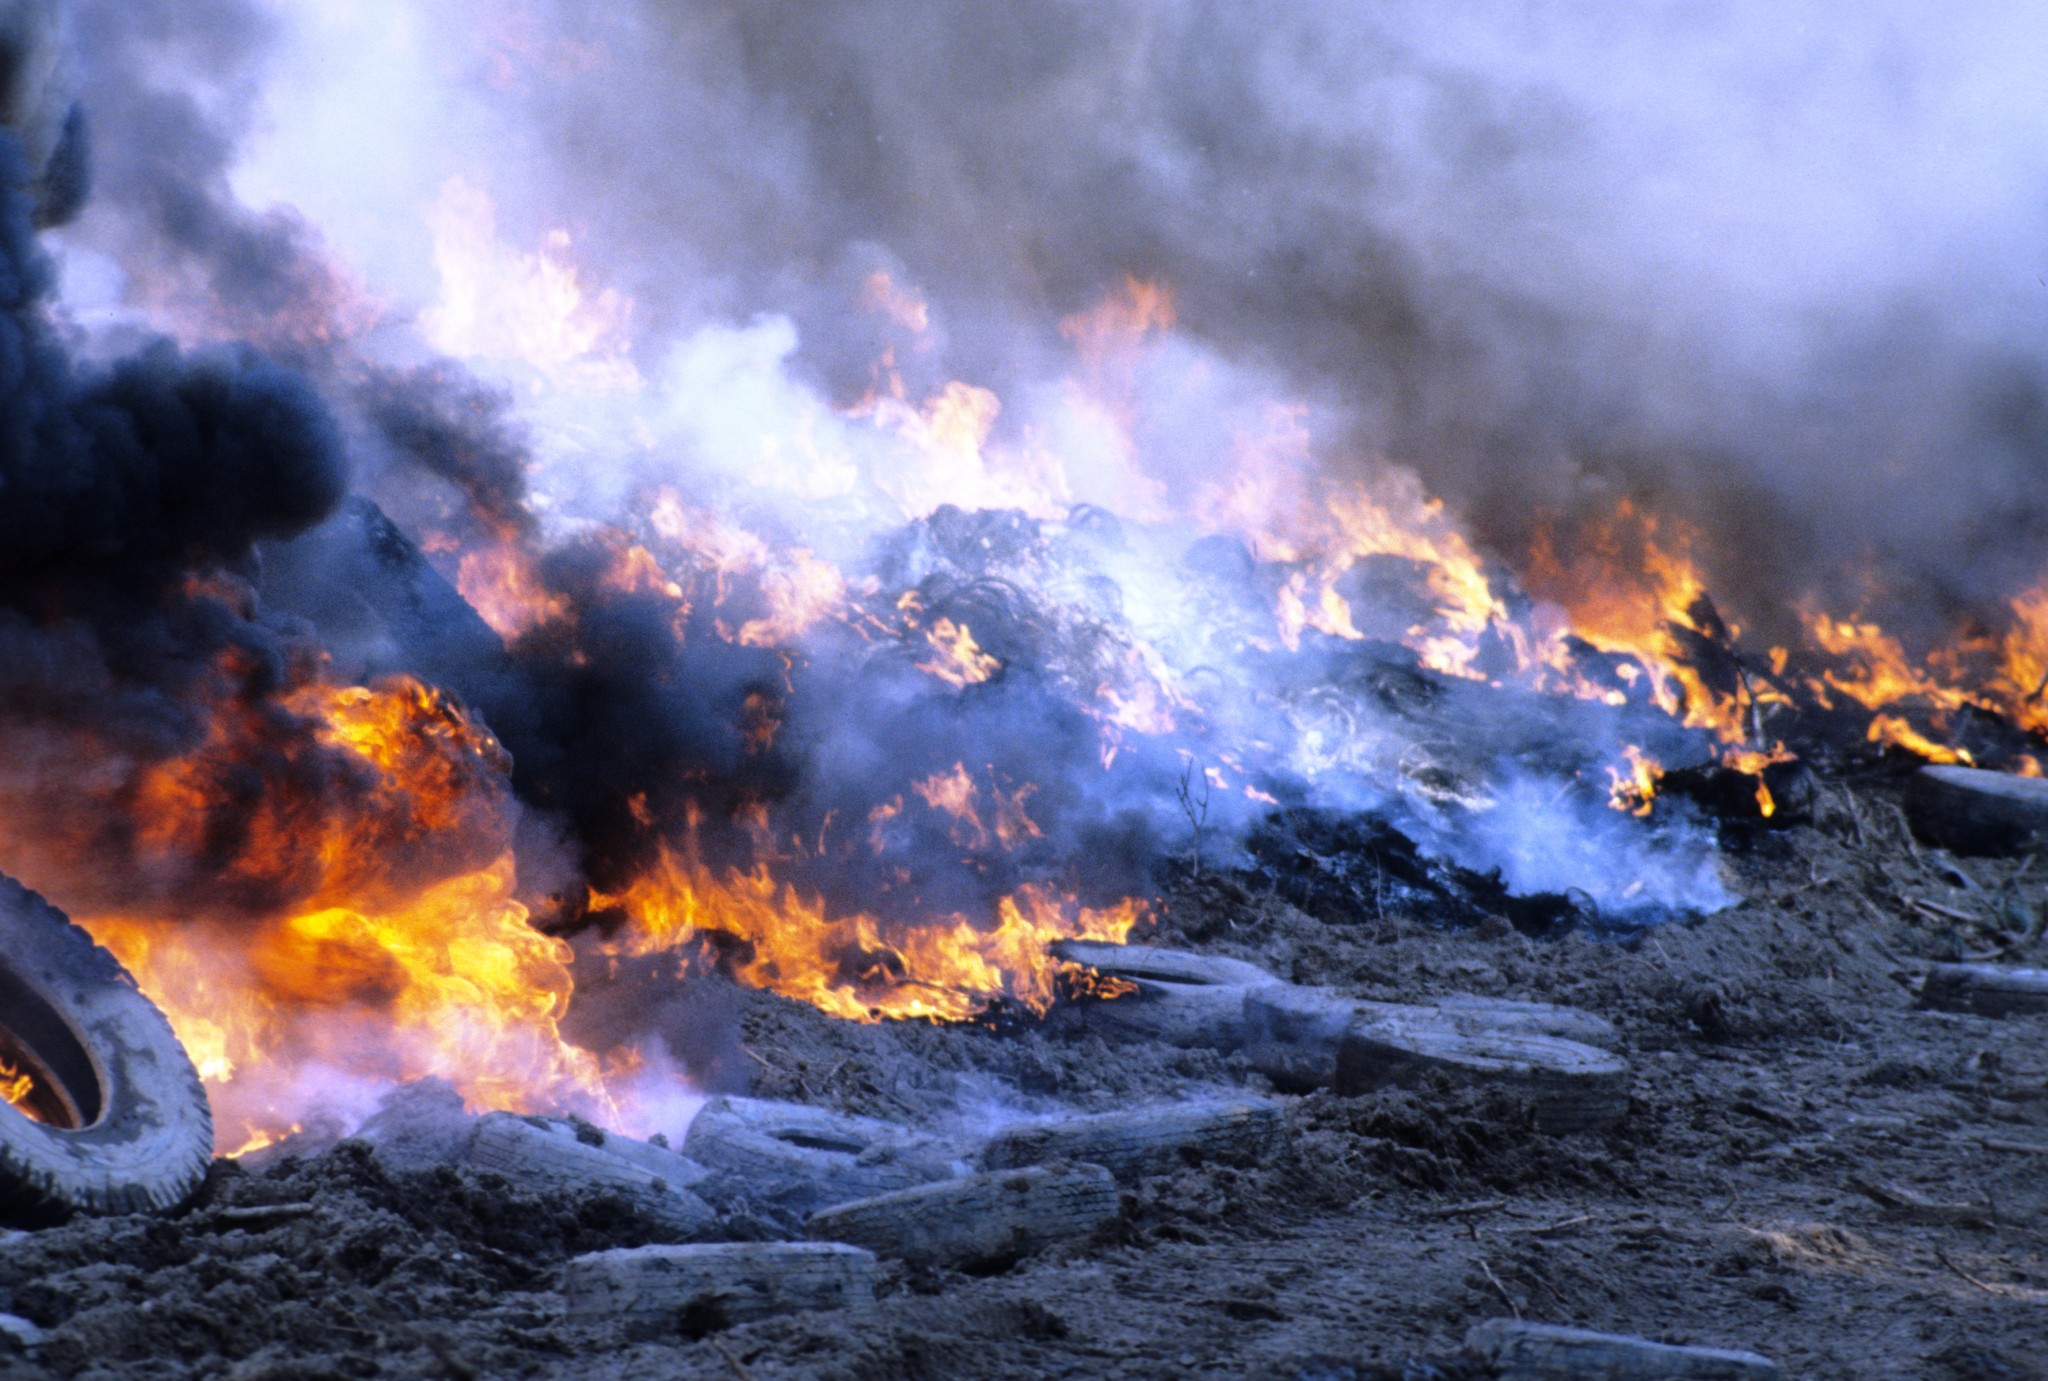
x=1195, y=1001
x=1570, y=1087
x=718, y=1284
x=1144, y=1141
x=117, y=1120
x=806, y=1158
x=547, y=1157
x=1977, y=812
x=1986, y=990
x=979, y=1222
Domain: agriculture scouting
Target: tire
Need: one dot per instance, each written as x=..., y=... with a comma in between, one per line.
x=1571, y=1087
x=1985, y=990
x=1516, y=1351
x=1512, y=1015
x=1195, y=1001
x=1973, y=811
x=982, y=1222
x=1145, y=1141
x=803, y=1158
x=547, y=1157
x=118, y=1121
x=1292, y=1034
x=720, y=1284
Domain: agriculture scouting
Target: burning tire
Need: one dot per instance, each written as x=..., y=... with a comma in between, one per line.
x=1189, y=1000
x=105, y=1113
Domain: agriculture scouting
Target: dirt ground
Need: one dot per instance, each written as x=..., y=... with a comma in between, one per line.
x=1811, y=1168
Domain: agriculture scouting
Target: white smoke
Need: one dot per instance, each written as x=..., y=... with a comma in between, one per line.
x=1776, y=267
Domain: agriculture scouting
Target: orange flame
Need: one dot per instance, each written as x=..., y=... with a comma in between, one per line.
x=960, y=662
x=393, y=967
x=1635, y=790
x=1629, y=592
x=854, y=966
x=499, y=583
x=1875, y=670
x=2026, y=660
x=16, y=1087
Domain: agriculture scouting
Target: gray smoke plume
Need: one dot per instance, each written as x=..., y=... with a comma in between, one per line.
x=1772, y=274
x=1773, y=269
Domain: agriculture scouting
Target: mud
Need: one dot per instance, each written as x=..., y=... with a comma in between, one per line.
x=1811, y=1168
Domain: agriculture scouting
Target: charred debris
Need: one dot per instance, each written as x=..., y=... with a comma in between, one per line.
x=381, y=604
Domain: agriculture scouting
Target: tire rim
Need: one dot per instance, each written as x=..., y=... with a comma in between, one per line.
x=65, y=1092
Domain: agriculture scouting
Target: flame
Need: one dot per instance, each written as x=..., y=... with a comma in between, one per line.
x=1895, y=730
x=17, y=1087
x=903, y=305
x=800, y=595
x=1631, y=590
x=856, y=967
x=260, y=1140
x=947, y=453
x=1753, y=761
x=499, y=583
x=2025, y=660
x=381, y=974
x=956, y=793
x=500, y=305
x=798, y=589
x=1635, y=790
x=1875, y=671
x=1109, y=335
x=959, y=662
x=397, y=945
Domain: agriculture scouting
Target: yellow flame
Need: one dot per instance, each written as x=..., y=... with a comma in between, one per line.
x=943, y=969
x=499, y=304
x=376, y=979
x=16, y=1088
x=960, y=662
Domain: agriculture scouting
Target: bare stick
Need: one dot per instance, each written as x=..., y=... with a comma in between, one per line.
x=1466, y=1210
x=1494, y=1281
x=1942, y=1257
x=738, y=1369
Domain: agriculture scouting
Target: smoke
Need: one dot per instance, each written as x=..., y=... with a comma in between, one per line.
x=1010, y=166
x=1777, y=270
x=132, y=495
x=1769, y=273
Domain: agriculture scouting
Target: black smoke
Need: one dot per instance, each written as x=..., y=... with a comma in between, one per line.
x=132, y=497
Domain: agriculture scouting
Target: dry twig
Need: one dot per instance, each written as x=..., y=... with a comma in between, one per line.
x=1940, y=912
x=1942, y=1257
x=1559, y=1226
x=1499, y=1288
x=738, y=1369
